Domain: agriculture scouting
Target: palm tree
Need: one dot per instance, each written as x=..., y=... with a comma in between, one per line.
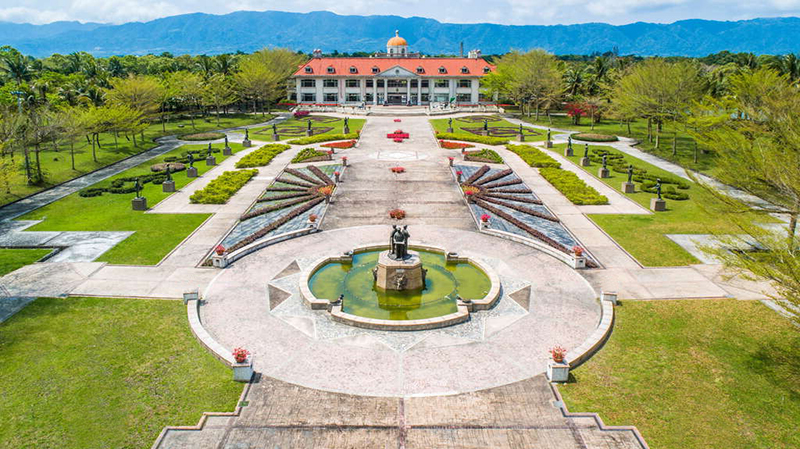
x=205, y=65
x=224, y=64
x=573, y=81
x=17, y=67
x=789, y=65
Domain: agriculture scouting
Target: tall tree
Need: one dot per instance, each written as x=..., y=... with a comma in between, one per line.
x=531, y=79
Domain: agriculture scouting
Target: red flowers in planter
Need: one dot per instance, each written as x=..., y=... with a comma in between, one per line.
x=485, y=218
x=340, y=145
x=220, y=250
x=577, y=250
x=325, y=190
x=397, y=214
x=558, y=353
x=398, y=135
x=398, y=169
x=240, y=355
x=448, y=145
x=397, y=120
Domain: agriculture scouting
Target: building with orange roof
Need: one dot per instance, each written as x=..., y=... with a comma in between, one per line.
x=397, y=77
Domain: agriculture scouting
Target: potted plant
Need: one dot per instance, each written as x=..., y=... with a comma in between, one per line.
x=558, y=353
x=397, y=214
x=557, y=369
x=398, y=169
x=458, y=175
x=243, y=368
x=312, y=218
x=577, y=250
x=451, y=159
x=578, y=259
x=220, y=250
x=336, y=175
x=344, y=161
x=485, y=220
x=240, y=355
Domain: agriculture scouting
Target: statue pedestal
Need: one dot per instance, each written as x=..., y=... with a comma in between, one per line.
x=246, y=143
x=602, y=173
x=139, y=203
x=211, y=161
x=404, y=274
x=658, y=205
x=276, y=137
x=450, y=130
x=568, y=152
x=191, y=172
x=484, y=132
x=227, y=151
x=628, y=187
x=346, y=130
x=585, y=162
x=309, y=133
x=548, y=144
x=168, y=186
x=521, y=138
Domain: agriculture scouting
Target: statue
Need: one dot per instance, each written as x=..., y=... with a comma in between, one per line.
x=209, y=149
x=548, y=135
x=586, y=151
x=274, y=129
x=450, y=122
x=191, y=160
x=630, y=174
x=226, y=141
x=485, y=125
x=605, y=160
x=569, y=141
x=169, y=173
x=345, y=122
x=138, y=188
x=246, y=134
x=309, y=125
x=520, y=129
x=658, y=187
x=399, y=242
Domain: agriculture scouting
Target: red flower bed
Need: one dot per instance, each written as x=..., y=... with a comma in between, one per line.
x=399, y=134
x=397, y=120
x=398, y=169
x=340, y=145
x=301, y=113
x=398, y=140
x=448, y=145
x=397, y=214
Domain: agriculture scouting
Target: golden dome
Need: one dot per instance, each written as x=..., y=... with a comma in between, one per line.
x=397, y=41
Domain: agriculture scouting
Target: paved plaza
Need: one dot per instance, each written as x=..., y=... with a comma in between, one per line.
x=322, y=383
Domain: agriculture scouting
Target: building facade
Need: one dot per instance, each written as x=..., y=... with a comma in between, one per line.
x=396, y=77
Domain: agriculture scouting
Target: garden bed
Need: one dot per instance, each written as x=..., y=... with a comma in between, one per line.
x=485, y=155
x=223, y=187
x=311, y=155
x=262, y=156
x=202, y=136
x=324, y=138
x=592, y=137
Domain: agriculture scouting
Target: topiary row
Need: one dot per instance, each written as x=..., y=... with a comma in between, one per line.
x=323, y=138
x=126, y=185
x=617, y=163
x=310, y=155
x=572, y=186
x=593, y=137
x=533, y=156
x=223, y=187
x=262, y=156
x=484, y=155
x=486, y=140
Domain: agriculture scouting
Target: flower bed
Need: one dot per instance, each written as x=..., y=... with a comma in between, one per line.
x=324, y=138
x=398, y=169
x=486, y=140
x=533, y=156
x=301, y=114
x=262, y=156
x=223, y=187
x=592, y=137
x=202, y=136
x=572, y=186
x=340, y=145
x=484, y=155
x=311, y=155
x=397, y=214
x=449, y=145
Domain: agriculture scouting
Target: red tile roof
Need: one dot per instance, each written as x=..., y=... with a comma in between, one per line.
x=364, y=66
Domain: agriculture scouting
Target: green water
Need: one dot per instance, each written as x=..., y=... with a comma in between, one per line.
x=443, y=282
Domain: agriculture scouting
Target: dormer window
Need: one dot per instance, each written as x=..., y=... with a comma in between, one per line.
x=420, y=69
x=309, y=70
x=375, y=69
x=353, y=69
x=464, y=70
x=442, y=70
x=486, y=70
x=331, y=69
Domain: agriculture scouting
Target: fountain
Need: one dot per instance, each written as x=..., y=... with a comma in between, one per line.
x=396, y=287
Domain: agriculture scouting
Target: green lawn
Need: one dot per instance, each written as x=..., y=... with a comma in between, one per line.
x=696, y=374
x=15, y=258
x=104, y=373
x=643, y=235
x=685, y=144
x=58, y=168
x=156, y=234
x=440, y=125
x=336, y=125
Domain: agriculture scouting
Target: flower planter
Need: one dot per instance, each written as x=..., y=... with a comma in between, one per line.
x=557, y=372
x=243, y=372
x=578, y=262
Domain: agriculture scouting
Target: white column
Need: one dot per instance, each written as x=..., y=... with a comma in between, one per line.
x=299, y=93
x=453, y=84
x=475, y=89
x=362, y=89
x=374, y=91
x=419, y=91
x=385, y=90
x=408, y=91
x=318, y=83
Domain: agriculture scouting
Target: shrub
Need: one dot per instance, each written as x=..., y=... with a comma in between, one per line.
x=572, y=186
x=484, y=155
x=486, y=140
x=591, y=137
x=311, y=154
x=202, y=136
x=340, y=145
x=533, y=156
x=323, y=138
x=221, y=189
x=262, y=156
x=448, y=145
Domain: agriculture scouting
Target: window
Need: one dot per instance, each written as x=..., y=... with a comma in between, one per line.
x=442, y=83
x=486, y=69
x=425, y=83
x=414, y=83
x=293, y=96
x=426, y=97
x=352, y=83
x=330, y=83
x=464, y=70
x=396, y=83
x=463, y=98
x=420, y=69
x=353, y=69
x=375, y=69
x=309, y=97
x=370, y=83
x=308, y=83
x=331, y=69
x=380, y=83
x=331, y=98
x=309, y=70
x=353, y=97
x=369, y=97
x=465, y=83
x=442, y=70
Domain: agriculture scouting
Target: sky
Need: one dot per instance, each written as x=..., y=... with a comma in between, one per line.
x=511, y=12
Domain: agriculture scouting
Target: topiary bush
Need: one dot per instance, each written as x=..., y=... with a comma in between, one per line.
x=486, y=140
x=572, y=186
x=202, y=136
x=262, y=156
x=311, y=155
x=593, y=137
x=323, y=138
x=617, y=163
x=223, y=187
x=484, y=155
x=533, y=156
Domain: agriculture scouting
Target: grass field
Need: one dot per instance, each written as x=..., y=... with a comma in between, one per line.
x=684, y=143
x=440, y=125
x=644, y=235
x=156, y=234
x=104, y=373
x=58, y=168
x=13, y=259
x=336, y=125
x=696, y=374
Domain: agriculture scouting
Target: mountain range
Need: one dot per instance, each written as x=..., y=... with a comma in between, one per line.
x=251, y=30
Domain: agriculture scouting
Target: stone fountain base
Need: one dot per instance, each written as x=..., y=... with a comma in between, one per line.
x=406, y=274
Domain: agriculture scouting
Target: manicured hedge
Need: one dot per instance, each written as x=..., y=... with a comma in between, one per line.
x=262, y=156
x=323, y=138
x=486, y=140
x=533, y=156
x=484, y=155
x=202, y=136
x=572, y=186
x=225, y=186
x=592, y=137
x=310, y=153
x=646, y=180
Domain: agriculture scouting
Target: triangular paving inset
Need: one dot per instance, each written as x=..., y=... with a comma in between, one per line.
x=290, y=269
x=522, y=297
x=276, y=296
